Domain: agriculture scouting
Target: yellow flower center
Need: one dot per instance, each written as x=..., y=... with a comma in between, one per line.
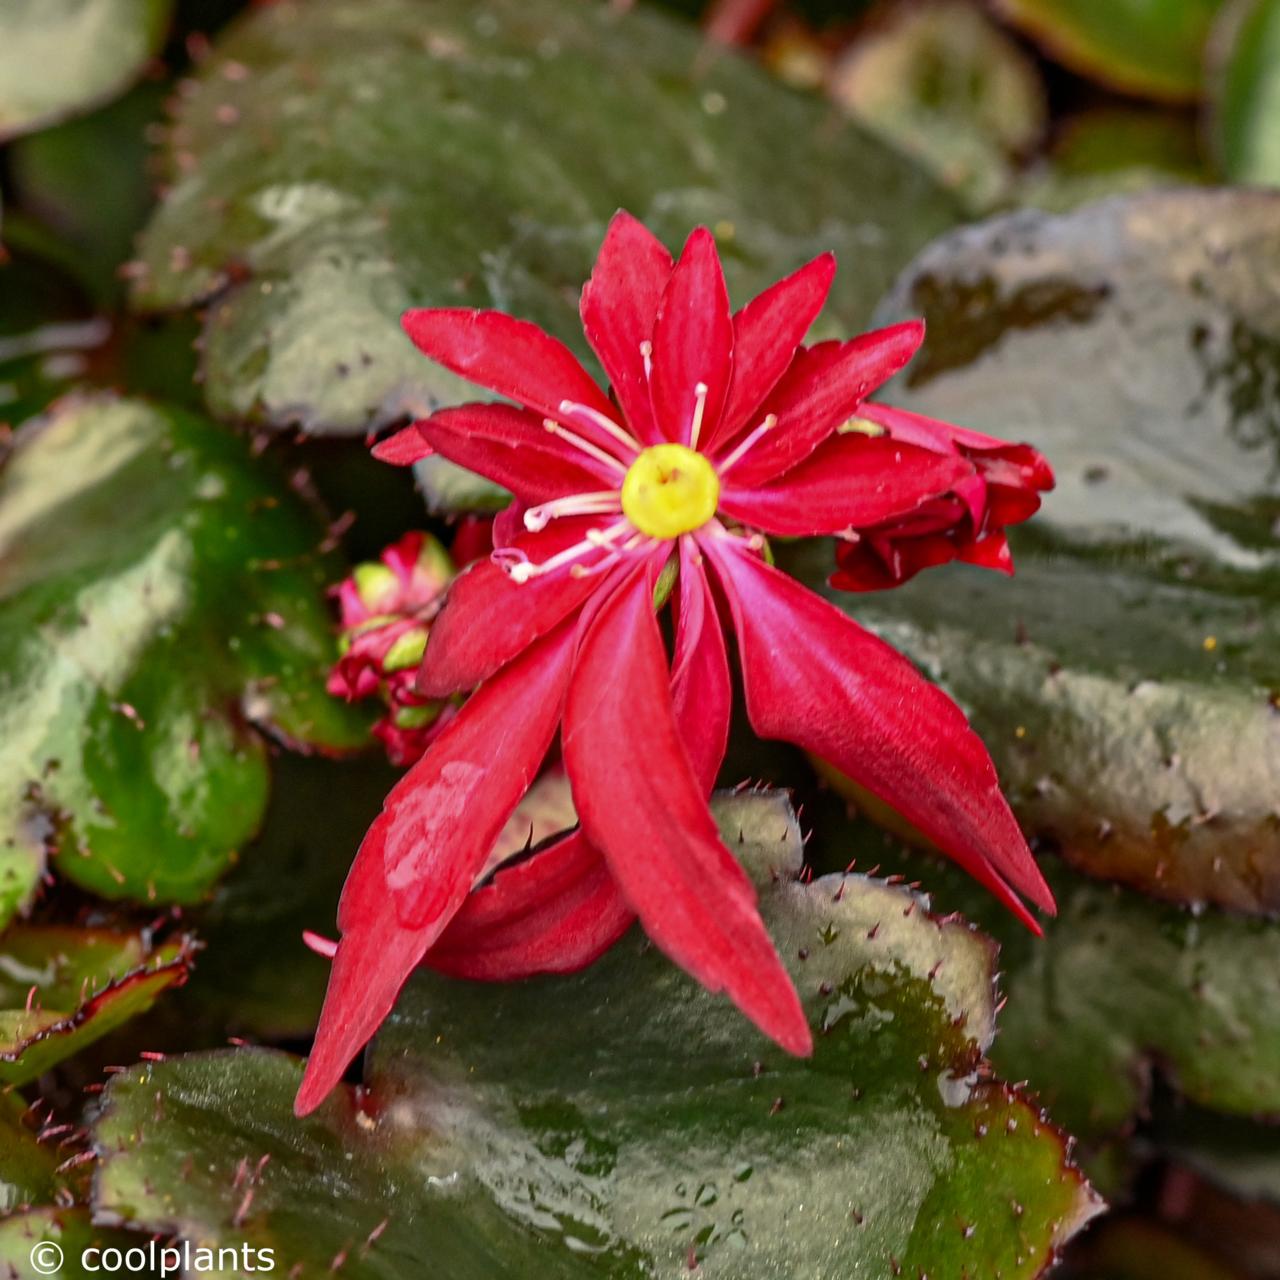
x=669, y=490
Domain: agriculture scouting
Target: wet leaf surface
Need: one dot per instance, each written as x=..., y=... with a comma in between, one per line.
x=1120, y=988
x=63, y=988
x=138, y=664
x=390, y=153
x=652, y=1130
x=1152, y=48
x=60, y=57
x=1126, y=679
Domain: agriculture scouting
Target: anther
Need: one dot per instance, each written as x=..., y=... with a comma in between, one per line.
x=646, y=354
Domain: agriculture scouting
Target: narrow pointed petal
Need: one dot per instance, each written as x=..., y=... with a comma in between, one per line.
x=488, y=620
x=512, y=357
x=642, y=807
x=440, y=821
x=619, y=307
x=554, y=912
x=404, y=448
x=822, y=389
x=701, y=691
x=766, y=334
x=692, y=342
x=814, y=677
x=372, y=963
x=513, y=448
x=849, y=481
x=423, y=852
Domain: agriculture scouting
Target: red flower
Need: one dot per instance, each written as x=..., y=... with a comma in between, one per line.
x=722, y=428
x=387, y=609
x=967, y=524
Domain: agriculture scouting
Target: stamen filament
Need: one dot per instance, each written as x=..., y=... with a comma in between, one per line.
x=771, y=421
x=646, y=354
x=600, y=502
x=699, y=408
x=522, y=569
x=584, y=411
x=591, y=450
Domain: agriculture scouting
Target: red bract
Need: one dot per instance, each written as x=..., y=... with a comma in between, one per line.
x=721, y=429
x=967, y=524
x=387, y=609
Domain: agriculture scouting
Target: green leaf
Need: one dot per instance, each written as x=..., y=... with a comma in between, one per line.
x=1120, y=987
x=1152, y=48
x=162, y=596
x=397, y=153
x=62, y=988
x=1126, y=679
x=651, y=1130
x=60, y=57
x=27, y=1168
x=949, y=88
x=1245, y=85
x=74, y=1233
x=106, y=154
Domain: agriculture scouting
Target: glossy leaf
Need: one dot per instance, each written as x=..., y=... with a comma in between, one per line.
x=1152, y=48
x=1120, y=989
x=652, y=1129
x=948, y=87
x=60, y=57
x=1245, y=88
x=64, y=988
x=162, y=595
x=392, y=153
x=1125, y=680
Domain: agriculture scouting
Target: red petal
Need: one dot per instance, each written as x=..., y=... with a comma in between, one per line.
x=701, y=691
x=424, y=850
x=512, y=448
x=823, y=388
x=404, y=448
x=488, y=619
x=619, y=306
x=641, y=806
x=850, y=481
x=766, y=333
x=440, y=821
x=512, y=357
x=814, y=677
x=692, y=341
x=552, y=913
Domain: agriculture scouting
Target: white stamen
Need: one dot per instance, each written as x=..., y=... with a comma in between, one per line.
x=600, y=503
x=591, y=450
x=585, y=412
x=699, y=408
x=520, y=568
x=771, y=421
x=646, y=354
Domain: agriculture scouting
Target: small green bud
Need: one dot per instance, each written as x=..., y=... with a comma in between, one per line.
x=417, y=717
x=407, y=650
x=376, y=585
